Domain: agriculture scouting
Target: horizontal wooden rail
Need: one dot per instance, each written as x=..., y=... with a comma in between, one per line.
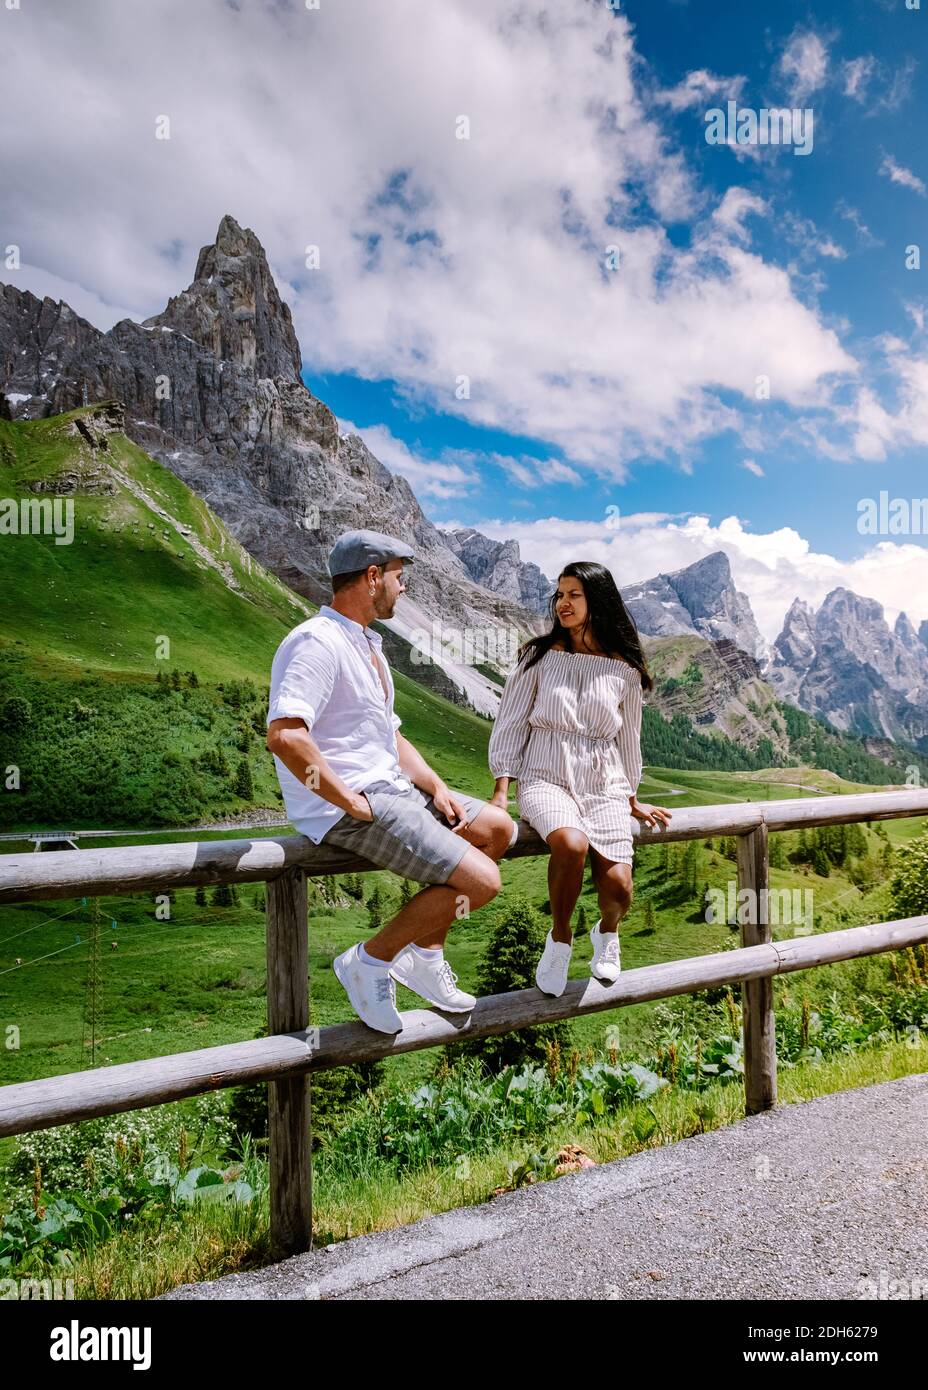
x=57, y=1100
x=150, y=868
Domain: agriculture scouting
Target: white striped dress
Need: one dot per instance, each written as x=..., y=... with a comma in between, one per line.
x=568, y=731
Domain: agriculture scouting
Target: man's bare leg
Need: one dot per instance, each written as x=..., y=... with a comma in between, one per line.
x=427, y=917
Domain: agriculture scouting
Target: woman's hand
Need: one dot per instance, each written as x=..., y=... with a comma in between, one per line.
x=651, y=815
x=500, y=795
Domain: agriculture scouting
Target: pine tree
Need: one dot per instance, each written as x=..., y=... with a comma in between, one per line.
x=508, y=963
x=820, y=862
x=243, y=785
x=375, y=909
x=199, y=896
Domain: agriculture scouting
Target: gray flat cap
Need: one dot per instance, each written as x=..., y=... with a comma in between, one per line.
x=355, y=550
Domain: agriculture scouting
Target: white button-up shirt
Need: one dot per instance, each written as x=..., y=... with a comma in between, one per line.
x=322, y=674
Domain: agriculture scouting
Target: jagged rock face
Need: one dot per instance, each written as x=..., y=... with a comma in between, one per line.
x=497, y=565
x=212, y=389
x=38, y=341
x=731, y=695
x=700, y=599
x=233, y=308
x=907, y=635
x=845, y=663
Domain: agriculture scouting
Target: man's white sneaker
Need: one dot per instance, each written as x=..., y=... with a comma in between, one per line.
x=606, y=963
x=551, y=974
x=371, y=991
x=433, y=979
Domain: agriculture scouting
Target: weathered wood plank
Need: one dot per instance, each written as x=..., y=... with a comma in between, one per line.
x=760, y=1045
x=290, y=1169
x=58, y=1100
x=149, y=868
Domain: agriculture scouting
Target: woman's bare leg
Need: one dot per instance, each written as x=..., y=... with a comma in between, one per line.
x=614, y=887
x=565, y=879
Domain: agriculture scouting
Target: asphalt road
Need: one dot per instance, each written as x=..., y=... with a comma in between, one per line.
x=823, y=1200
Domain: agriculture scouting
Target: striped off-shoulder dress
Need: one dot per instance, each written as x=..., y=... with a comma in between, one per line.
x=568, y=731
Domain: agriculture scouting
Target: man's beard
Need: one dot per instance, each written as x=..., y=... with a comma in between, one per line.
x=383, y=606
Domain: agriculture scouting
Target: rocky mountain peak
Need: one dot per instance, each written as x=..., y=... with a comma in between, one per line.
x=700, y=599
x=906, y=633
x=845, y=662
x=497, y=565
x=233, y=309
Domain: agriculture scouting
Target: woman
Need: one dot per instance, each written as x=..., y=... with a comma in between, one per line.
x=569, y=732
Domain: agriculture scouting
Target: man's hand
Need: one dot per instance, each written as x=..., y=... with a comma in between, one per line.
x=360, y=808
x=651, y=815
x=450, y=808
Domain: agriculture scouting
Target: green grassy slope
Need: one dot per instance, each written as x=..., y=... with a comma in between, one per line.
x=131, y=576
x=153, y=583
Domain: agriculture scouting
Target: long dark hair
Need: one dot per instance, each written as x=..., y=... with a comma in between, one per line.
x=612, y=625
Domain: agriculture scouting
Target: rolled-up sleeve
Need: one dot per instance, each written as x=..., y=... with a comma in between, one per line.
x=511, y=729
x=628, y=738
x=306, y=683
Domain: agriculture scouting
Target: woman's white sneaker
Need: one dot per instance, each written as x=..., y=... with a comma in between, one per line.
x=371, y=991
x=606, y=964
x=551, y=974
x=433, y=979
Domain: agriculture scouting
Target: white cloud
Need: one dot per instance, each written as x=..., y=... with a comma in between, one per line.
x=753, y=467
x=878, y=428
x=772, y=568
x=700, y=89
x=852, y=215
x=534, y=472
x=734, y=207
x=85, y=302
x=429, y=477
x=857, y=74
x=804, y=64
x=899, y=174
x=440, y=257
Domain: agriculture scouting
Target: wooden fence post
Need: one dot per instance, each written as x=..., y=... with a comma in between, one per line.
x=760, y=1040
x=289, y=1153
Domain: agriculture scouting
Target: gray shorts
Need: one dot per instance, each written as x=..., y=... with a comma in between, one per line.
x=408, y=835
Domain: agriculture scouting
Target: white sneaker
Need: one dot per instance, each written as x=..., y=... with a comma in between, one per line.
x=371, y=991
x=433, y=979
x=606, y=963
x=551, y=974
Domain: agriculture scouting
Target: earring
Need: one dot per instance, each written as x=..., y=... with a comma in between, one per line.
x=371, y=592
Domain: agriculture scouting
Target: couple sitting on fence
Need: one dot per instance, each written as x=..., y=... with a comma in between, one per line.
x=567, y=730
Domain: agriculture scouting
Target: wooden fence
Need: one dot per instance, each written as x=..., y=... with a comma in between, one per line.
x=292, y=1051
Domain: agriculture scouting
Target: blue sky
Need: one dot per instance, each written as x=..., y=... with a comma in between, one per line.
x=837, y=194
x=595, y=393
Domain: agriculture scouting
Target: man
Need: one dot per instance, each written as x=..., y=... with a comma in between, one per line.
x=350, y=779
